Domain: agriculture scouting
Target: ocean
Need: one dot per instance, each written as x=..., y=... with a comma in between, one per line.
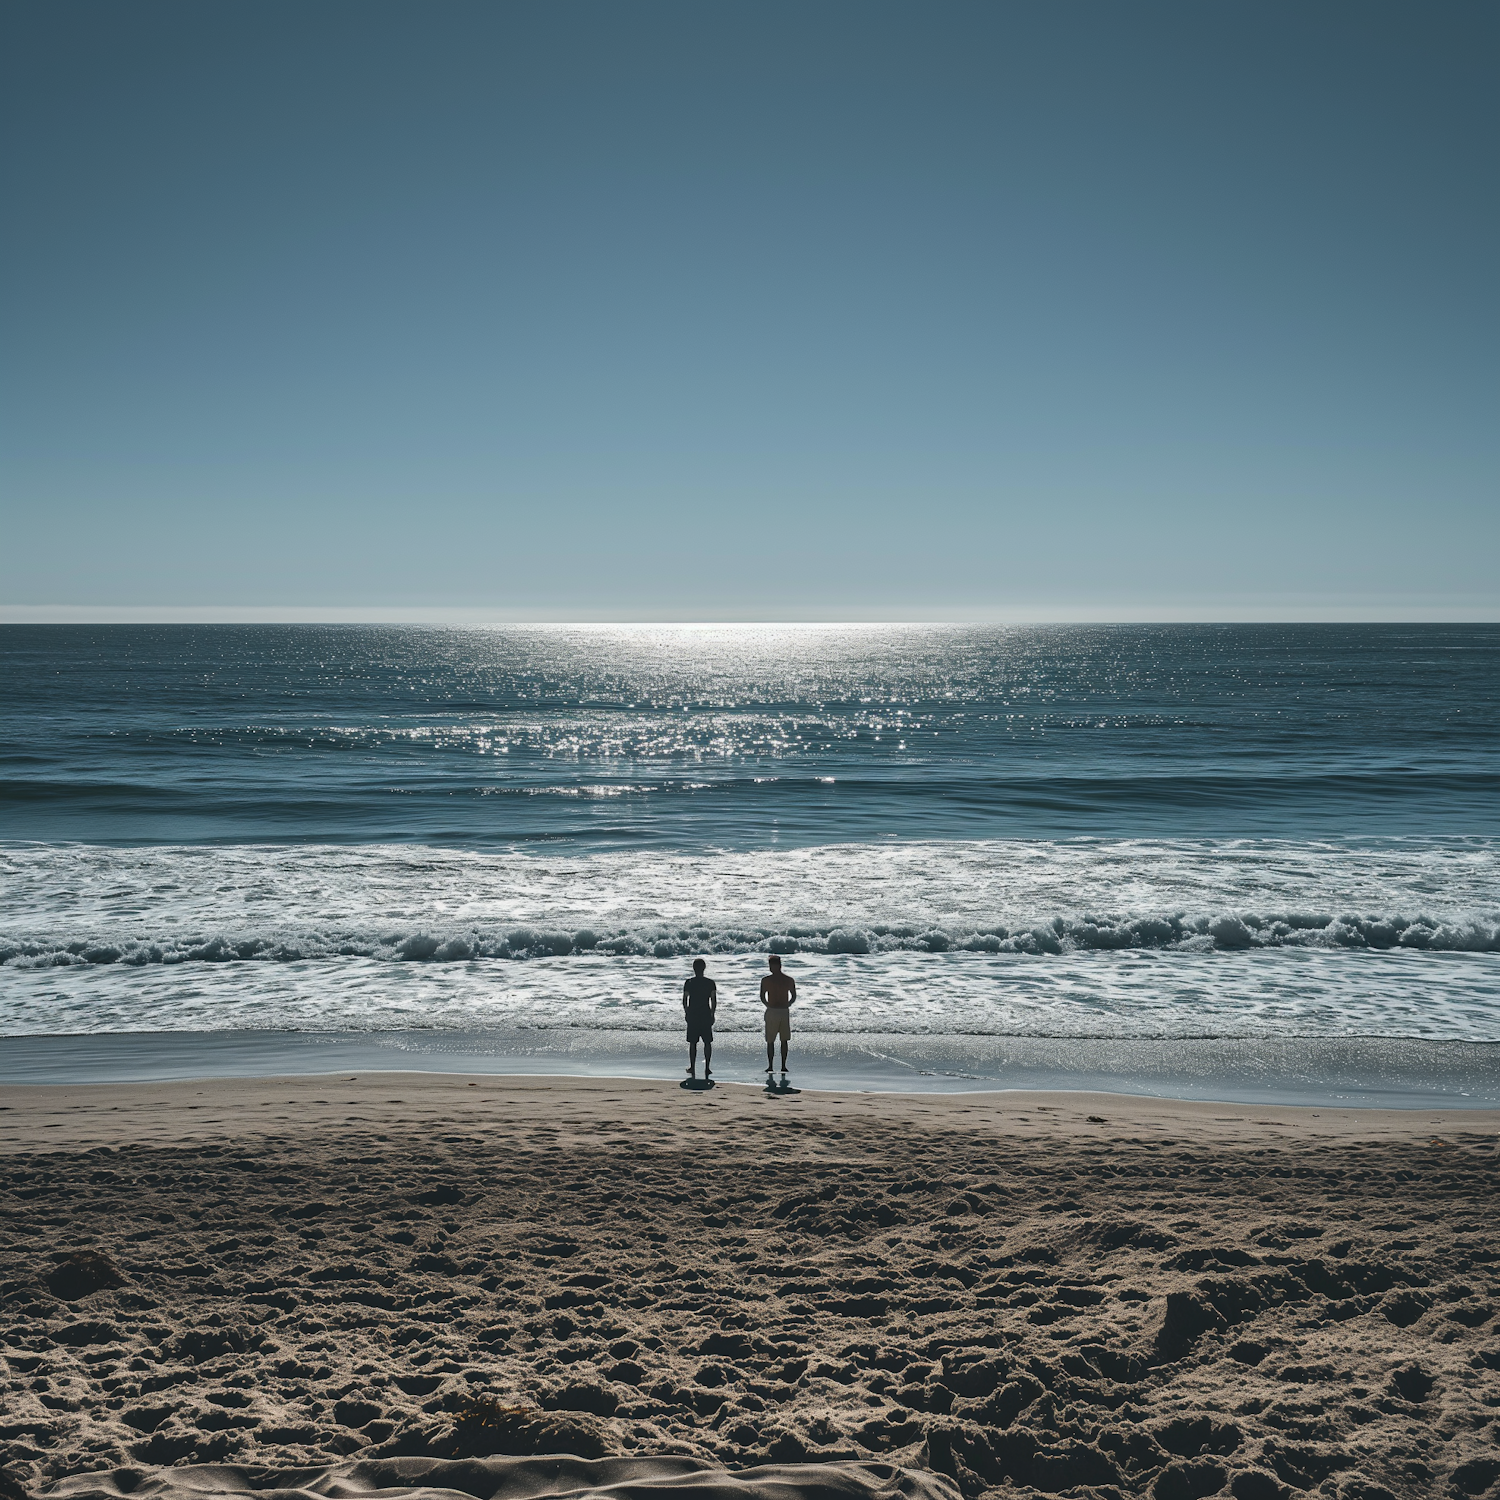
x=1242, y=861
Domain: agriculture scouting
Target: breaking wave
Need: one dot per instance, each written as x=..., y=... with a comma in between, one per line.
x=1230, y=931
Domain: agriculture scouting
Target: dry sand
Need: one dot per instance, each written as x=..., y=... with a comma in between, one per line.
x=1067, y=1293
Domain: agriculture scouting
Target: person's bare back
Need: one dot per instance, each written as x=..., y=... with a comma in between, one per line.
x=777, y=993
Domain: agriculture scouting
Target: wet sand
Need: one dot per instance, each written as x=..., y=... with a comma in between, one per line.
x=1062, y=1293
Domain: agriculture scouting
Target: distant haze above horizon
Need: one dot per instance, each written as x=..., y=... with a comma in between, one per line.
x=672, y=312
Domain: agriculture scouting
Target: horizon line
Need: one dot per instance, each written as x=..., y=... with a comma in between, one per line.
x=1347, y=612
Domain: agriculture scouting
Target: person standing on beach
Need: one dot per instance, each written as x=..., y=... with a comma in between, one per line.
x=700, y=1004
x=777, y=992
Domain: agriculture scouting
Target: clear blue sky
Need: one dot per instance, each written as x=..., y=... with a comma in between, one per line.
x=833, y=308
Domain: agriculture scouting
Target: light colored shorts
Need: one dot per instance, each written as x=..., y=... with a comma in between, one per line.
x=779, y=1024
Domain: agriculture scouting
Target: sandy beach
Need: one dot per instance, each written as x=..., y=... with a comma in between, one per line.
x=1061, y=1293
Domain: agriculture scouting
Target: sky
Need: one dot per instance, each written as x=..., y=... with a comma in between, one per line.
x=503, y=309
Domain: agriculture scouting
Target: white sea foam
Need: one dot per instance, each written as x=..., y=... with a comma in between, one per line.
x=1085, y=938
x=1141, y=995
x=81, y=904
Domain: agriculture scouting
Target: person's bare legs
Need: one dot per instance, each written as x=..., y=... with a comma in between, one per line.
x=771, y=1053
x=693, y=1059
x=708, y=1057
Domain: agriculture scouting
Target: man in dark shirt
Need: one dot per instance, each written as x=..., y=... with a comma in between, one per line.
x=777, y=993
x=700, y=1004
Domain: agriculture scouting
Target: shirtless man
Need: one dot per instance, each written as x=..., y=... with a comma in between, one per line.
x=777, y=992
x=700, y=1004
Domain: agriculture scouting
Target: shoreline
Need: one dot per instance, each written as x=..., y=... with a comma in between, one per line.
x=114, y=1116
x=1280, y=1072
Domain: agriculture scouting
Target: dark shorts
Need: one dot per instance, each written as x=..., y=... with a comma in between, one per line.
x=700, y=1031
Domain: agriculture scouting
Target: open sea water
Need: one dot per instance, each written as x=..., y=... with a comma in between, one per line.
x=1242, y=861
